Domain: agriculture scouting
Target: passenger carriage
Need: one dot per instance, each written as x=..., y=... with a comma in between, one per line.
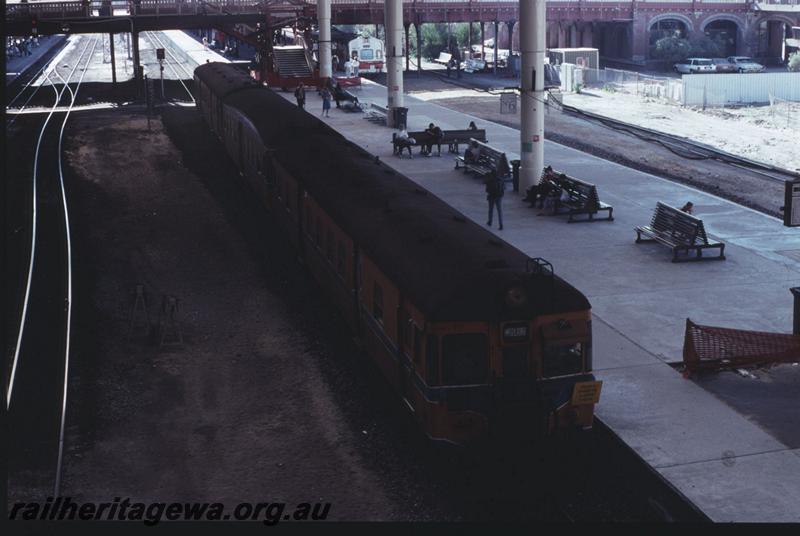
x=476, y=338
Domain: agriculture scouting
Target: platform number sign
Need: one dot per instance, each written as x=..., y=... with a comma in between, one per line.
x=160, y=54
x=791, y=207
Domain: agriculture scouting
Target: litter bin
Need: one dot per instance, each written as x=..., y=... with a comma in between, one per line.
x=400, y=117
x=515, y=173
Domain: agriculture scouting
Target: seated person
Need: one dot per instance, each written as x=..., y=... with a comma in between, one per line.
x=472, y=126
x=472, y=153
x=403, y=140
x=435, y=135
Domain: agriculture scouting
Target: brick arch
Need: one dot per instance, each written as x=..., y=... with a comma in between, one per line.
x=676, y=16
x=740, y=23
x=778, y=17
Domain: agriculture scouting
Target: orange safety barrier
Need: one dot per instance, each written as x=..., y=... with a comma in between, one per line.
x=714, y=348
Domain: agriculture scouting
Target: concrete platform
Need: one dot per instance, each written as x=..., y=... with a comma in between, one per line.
x=728, y=463
x=16, y=66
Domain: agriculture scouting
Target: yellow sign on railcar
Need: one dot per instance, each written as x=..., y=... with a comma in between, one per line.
x=586, y=393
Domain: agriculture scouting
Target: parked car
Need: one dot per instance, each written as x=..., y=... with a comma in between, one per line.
x=745, y=65
x=695, y=65
x=722, y=65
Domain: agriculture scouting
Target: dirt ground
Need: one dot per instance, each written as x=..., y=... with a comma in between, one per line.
x=735, y=184
x=240, y=411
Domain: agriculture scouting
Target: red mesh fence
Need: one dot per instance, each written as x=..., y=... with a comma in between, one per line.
x=713, y=348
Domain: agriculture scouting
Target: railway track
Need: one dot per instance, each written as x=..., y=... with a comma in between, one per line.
x=178, y=67
x=677, y=145
x=36, y=393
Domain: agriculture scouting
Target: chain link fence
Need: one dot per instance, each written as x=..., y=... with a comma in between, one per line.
x=780, y=109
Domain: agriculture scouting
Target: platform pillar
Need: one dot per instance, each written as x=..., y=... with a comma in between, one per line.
x=796, y=326
x=324, y=22
x=393, y=30
x=532, y=36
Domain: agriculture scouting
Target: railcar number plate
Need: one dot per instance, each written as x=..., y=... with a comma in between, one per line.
x=586, y=393
x=515, y=332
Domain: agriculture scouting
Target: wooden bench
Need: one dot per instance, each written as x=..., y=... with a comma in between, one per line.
x=342, y=95
x=487, y=161
x=376, y=113
x=583, y=200
x=454, y=138
x=679, y=231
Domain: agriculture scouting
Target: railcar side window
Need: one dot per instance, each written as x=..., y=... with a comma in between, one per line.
x=432, y=360
x=465, y=359
x=377, y=302
x=562, y=359
x=340, y=258
x=417, y=345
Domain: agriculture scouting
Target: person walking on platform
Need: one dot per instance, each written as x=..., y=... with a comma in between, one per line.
x=495, y=188
x=326, y=102
x=300, y=95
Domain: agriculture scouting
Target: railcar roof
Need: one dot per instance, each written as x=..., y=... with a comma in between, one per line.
x=450, y=267
x=223, y=79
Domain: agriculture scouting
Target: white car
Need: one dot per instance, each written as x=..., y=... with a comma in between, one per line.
x=695, y=65
x=745, y=65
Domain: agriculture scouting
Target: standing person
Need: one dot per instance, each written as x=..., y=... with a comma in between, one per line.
x=688, y=207
x=495, y=188
x=335, y=61
x=300, y=95
x=472, y=126
x=326, y=102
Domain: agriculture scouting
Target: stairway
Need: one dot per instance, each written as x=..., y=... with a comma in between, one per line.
x=291, y=62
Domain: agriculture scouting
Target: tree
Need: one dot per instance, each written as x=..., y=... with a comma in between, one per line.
x=794, y=62
x=677, y=49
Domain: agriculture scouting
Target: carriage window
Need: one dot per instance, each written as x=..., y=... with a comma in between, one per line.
x=340, y=258
x=431, y=360
x=562, y=359
x=366, y=54
x=417, y=345
x=464, y=359
x=405, y=328
x=377, y=302
x=378, y=54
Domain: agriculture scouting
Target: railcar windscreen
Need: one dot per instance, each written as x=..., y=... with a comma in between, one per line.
x=562, y=359
x=465, y=359
x=367, y=54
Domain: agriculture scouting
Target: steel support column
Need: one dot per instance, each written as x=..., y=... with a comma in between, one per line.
x=137, y=68
x=532, y=33
x=418, y=28
x=496, y=43
x=113, y=62
x=406, y=27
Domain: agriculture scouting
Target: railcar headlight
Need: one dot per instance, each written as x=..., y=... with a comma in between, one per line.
x=516, y=297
